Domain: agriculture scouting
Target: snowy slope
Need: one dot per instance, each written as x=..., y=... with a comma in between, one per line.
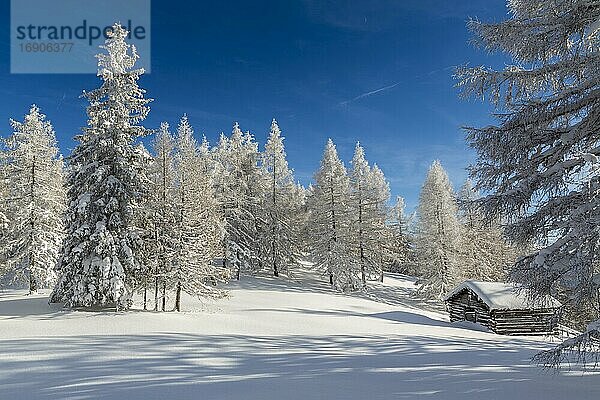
x=270, y=339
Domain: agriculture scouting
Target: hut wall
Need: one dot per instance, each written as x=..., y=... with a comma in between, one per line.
x=467, y=306
x=524, y=322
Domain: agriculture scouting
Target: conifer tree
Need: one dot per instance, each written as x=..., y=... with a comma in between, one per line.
x=380, y=189
x=400, y=247
x=540, y=161
x=437, y=234
x=329, y=223
x=198, y=223
x=240, y=187
x=35, y=202
x=107, y=182
x=484, y=254
x=162, y=212
x=281, y=206
x=4, y=221
x=369, y=193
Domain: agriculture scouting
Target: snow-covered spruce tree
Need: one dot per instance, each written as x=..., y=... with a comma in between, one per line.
x=279, y=236
x=106, y=182
x=162, y=213
x=484, y=253
x=540, y=161
x=438, y=232
x=368, y=195
x=36, y=202
x=198, y=223
x=240, y=186
x=329, y=223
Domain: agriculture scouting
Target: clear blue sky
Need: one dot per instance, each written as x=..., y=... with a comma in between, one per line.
x=316, y=66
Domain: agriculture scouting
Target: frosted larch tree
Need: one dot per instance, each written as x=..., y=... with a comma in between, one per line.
x=4, y=212
x=400, y=247
x=36, y=201
x=438, y=232
x=368, y=195
x=380, y=239
x=329, y=223
x=198, y=224
x=279, y=237
x=359, y=201
x=484, y=253
x=106, y=184
x=162, y=212
x=540, y=161
x=240, y=189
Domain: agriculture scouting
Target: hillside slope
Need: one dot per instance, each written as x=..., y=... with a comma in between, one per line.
x=271, y=339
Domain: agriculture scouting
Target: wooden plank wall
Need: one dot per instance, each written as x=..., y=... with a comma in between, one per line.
x=468, y=301
x=504, y=322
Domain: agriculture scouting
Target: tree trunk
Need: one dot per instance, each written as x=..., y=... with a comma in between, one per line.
x=239, y=267
x=156, y=292
x=178, y=297
x=32, y=280
x=32, y=284
x=273, y=240
x=362, y=266
x=145, y=295
x=164, y=295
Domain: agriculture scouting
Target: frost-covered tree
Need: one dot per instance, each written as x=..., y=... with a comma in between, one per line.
x=329, y=223
x=380, y=213
x=106, y=183
x=35, y=202
x=438, y=232
x=162, y=213
x=540, y=161
x=279, y=238
x=400, y=247
x=4, y=212
x=198, y=224
x=369, y=193
x=484, y=253
x=240, y=185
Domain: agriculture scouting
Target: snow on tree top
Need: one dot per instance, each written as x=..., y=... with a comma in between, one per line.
x=503, y=296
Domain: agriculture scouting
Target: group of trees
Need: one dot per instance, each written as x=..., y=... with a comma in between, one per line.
x=186, y=217
x=118, y=220
x=347, y=220
x=453, y=240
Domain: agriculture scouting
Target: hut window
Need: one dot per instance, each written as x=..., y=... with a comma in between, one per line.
x=471, y=315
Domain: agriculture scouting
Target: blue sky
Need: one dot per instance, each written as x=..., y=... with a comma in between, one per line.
x=375, y=71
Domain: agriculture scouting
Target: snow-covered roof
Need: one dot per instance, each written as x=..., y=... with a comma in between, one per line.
x=503, y=296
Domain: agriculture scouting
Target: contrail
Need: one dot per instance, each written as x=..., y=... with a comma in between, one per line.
x=372, y=92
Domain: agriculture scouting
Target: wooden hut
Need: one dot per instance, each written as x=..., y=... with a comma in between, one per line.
x=502, y=308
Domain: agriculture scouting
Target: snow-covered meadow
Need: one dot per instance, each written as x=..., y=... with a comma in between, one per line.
x=270, y=339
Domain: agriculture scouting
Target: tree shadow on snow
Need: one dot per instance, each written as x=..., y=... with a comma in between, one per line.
x=187, y=366
x=33, y=306
x=412, y=318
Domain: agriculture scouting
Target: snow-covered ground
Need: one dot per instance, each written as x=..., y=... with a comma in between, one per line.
x=270, y=339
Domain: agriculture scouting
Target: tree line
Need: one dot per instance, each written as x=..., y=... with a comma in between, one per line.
x=114, y=219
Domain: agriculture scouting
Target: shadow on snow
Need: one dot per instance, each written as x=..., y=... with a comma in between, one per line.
x=187, y=366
